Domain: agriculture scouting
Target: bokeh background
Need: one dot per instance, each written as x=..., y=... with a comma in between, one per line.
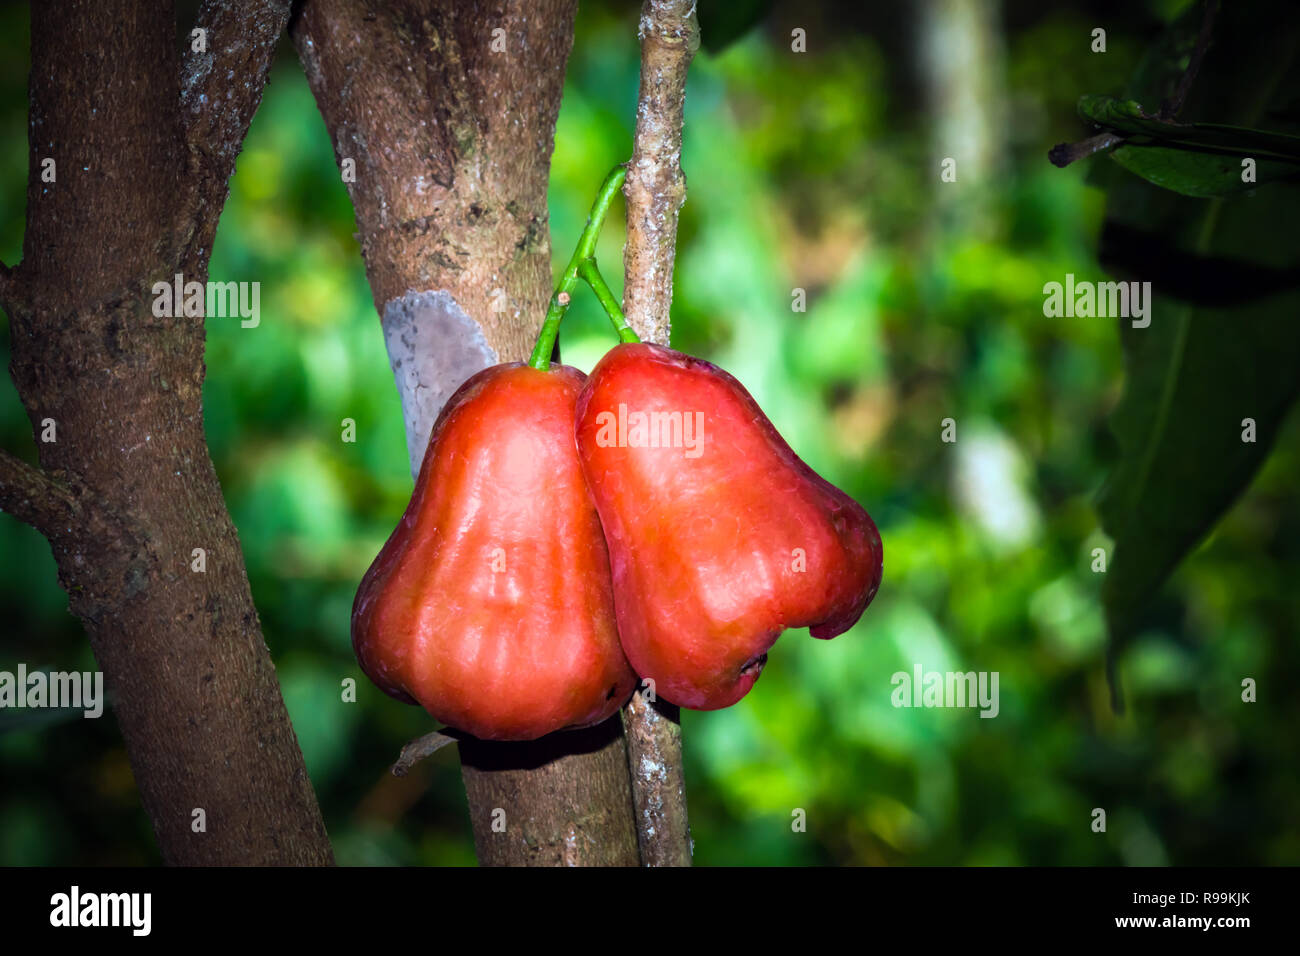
x=924, y=301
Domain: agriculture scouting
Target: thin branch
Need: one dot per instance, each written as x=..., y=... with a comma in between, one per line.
x=1174, y=105
x=654, y=754
x=655, y=191
x=34, y=498
x=1063, y=154
x=655, y=186
x=418, y=749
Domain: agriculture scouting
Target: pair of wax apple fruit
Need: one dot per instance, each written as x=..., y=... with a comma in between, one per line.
x=567, y=534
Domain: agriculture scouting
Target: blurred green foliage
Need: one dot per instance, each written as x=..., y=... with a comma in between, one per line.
x=924, y=301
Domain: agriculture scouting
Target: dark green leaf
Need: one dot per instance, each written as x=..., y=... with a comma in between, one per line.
x=1127, y=117
x=1196, y=159
x=1203, y=175
x=1198, y=371
x=1193, y=376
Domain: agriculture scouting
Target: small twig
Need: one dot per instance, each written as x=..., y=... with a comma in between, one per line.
x=1173, y=106
x=418, y=749
x=1063, y=154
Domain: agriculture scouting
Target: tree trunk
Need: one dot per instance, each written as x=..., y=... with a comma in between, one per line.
x=447, y=112
x=126, y=491
x=962, y=69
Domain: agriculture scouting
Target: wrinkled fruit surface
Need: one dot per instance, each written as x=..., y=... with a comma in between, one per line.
x=719, y=536
x=491, y=603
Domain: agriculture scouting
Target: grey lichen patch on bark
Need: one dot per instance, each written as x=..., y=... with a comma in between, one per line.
x=433, y=346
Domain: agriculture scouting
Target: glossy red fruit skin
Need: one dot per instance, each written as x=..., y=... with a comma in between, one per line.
x=703, y=547
x=507, y=644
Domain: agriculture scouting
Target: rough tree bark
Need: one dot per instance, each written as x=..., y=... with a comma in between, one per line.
x=143, y=147
x=655, y=189
x=447, y=110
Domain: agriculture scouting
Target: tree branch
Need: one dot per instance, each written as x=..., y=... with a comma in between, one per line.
x=34, y=498
x=1174, y=105
x=654, y=755
x=221, y=87
x=1063, y=154
x=656, y=188
x=179, y=643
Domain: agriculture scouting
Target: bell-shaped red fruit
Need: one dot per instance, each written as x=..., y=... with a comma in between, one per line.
x=719, y=536
x=491, y=603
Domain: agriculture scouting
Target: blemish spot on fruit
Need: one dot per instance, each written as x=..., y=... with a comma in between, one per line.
x=754, y=666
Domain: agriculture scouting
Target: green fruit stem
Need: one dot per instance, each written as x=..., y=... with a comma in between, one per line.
x=587, y=270
x=583, y=265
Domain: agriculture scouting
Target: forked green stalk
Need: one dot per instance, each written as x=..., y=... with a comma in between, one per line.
x=587, y=270
x=583, y=265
